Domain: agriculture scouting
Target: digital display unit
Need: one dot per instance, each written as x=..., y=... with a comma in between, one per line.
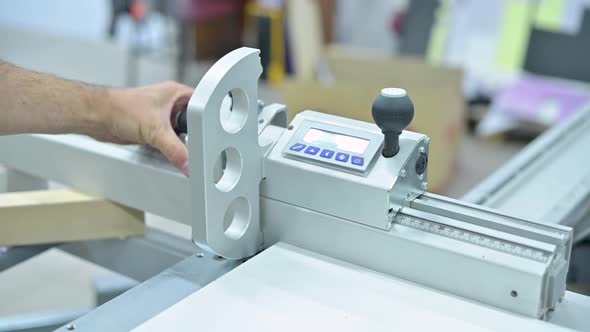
x=336, y=141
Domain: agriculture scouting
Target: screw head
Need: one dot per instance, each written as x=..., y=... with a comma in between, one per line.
x=260, y=105
x=424, y=185
x=200, y=255
x=422, y=149
x=70, y=327
x=403, y=173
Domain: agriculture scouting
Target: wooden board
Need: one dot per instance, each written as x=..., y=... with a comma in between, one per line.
x=36, y=217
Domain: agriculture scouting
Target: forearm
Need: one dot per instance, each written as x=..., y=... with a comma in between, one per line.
x=32, y=102
x=38, y=103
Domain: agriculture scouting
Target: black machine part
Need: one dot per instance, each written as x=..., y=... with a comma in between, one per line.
x=180, y=124
x=393, y=112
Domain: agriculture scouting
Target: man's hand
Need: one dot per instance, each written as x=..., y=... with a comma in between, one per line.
x=144, y=116
x=33, y=102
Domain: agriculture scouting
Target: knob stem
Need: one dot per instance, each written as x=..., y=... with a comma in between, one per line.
x=390, y=144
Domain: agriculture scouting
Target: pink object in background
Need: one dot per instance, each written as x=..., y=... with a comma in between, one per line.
x=397, y=22
x=535, y=99
x=542, y=100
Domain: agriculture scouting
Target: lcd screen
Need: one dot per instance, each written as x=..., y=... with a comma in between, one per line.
x=336, y=141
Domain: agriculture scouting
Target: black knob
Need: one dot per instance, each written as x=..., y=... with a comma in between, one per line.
x=392, y=112
x=180, y=123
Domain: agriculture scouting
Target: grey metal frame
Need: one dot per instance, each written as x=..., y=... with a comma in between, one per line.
x=15, y=180
x=15, y=255
x=139, y=258
x=553, y=173
x=164, y=189
x=153, y=296
x=40, y=322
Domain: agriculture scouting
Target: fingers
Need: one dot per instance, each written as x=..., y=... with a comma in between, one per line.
x=185, y=90
x=177, y=92
x=158, y=106
x=175, y=151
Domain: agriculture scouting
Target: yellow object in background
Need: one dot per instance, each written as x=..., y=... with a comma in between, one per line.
x=275, y=71
x=276, y=68
x=515, y=33
x=438, y=35
x=549, y=15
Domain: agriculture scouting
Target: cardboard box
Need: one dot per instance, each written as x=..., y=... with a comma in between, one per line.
x=358, y=78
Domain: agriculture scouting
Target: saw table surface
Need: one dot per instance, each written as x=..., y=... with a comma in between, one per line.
x=290, y=289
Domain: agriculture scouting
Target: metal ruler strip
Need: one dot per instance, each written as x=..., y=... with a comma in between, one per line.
x=475, y=238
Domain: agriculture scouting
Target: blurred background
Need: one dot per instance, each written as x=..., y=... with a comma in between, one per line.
x=486, y=78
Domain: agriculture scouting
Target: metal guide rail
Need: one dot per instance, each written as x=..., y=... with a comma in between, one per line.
x=485, y=227
x=548, y=181
x=526, y=239
x=470, y=230
x=522, y=264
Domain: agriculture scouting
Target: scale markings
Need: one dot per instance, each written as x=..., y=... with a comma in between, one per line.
x=473, y=238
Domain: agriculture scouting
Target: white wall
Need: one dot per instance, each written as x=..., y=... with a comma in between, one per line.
x=84, y=19
x=366, y=24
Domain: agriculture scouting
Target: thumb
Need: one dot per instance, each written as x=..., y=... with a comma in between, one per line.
x=174, y=150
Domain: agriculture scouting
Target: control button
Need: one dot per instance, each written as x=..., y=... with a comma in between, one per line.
x=327, y=154
x=297, y=147
x=312, y=150
x=343, y=157
x=359, y=161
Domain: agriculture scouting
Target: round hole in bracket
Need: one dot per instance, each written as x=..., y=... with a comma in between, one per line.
x=237, y=218
x=233, y=113
x=227, y=169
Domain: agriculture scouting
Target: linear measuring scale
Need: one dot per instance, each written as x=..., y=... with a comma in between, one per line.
x=479, y=239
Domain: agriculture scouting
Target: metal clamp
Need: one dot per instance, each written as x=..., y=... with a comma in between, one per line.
x=225, y=204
